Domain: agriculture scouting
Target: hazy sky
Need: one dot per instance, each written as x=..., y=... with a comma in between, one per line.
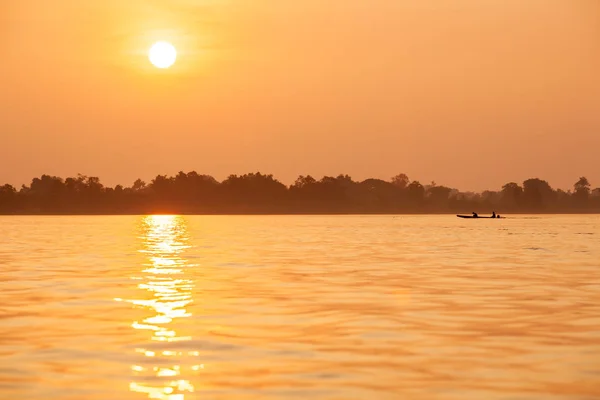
x=469, y=93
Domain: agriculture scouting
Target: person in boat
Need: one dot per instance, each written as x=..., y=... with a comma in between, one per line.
x=475, y=215
x=493, y=214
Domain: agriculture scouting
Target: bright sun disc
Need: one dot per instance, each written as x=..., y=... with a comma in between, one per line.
x=162, y=54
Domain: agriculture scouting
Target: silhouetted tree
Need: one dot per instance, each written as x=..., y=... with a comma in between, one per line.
x=195, y=190
x=582, y=190
x=438, y=196
x=304, y=193
x=511, y=195
x=304, y=181
x=401, y=181
x=259, y=193
x=416, y=193
x=537, y=194
x=562, y=199
x=138, y=185
x=377, y=195
x=46, y=193
x=8, y=198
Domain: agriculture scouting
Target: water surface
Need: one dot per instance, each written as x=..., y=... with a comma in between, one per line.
x=283, y=307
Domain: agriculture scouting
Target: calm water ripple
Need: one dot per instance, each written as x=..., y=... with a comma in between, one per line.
x=256, y=307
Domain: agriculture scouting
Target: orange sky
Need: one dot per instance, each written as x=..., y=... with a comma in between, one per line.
x=469, y=93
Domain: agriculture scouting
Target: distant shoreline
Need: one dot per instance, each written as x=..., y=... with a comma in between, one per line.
x=450, y=214
x=260, y=194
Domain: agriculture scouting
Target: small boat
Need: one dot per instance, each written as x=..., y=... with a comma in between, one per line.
x=474, y=217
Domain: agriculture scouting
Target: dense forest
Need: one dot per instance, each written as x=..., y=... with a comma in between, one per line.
x=256, y=193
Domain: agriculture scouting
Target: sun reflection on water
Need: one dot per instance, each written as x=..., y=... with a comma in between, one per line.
x=166, y=292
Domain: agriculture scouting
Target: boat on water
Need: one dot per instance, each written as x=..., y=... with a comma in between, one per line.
x=477, y=217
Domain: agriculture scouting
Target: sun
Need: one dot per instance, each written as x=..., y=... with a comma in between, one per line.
x=162, y=54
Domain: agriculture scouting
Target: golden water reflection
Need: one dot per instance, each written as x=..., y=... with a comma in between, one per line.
x=166, y=292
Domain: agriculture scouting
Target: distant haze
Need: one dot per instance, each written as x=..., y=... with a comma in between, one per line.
x=469, y=93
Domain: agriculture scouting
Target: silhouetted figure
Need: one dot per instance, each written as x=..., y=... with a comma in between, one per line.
x=475, y=215
x=493, y=214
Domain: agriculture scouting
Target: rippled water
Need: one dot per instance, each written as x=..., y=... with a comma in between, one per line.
x=344, y=307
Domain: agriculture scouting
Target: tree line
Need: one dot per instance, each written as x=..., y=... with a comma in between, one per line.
x=256, y=193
